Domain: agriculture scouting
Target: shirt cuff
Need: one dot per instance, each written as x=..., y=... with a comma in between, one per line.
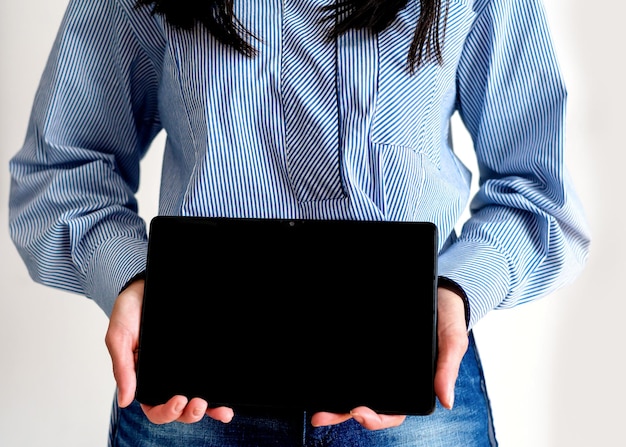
x=111, y=265
x=138, y=276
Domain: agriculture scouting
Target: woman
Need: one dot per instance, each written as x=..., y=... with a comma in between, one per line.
x=302, y=109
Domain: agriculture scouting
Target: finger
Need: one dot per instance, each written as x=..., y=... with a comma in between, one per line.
x=194, y=411
x=365, y=416
x=121, y=347
x=446, y=375
x=322, y=419
x=452, y=345
x=223, y=414
x=167, y=412
x=371, y=420
x=122, y=340
x=449, y=359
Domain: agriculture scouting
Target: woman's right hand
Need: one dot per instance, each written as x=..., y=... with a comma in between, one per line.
x=122, y=341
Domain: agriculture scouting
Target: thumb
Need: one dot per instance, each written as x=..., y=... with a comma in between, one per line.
x=452, y=345
x=122, y=340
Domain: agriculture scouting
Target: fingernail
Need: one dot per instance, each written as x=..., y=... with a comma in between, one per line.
x=451, y=397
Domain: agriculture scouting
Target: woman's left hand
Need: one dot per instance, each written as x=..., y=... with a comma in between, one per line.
x=452, y=344
x=365, y=416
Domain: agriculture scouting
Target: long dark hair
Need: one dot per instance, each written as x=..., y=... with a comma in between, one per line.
x=376, y=15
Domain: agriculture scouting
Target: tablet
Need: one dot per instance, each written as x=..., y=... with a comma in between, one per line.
x=313, y=315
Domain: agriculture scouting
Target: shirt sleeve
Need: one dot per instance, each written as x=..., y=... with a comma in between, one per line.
x=527, y=234
x=73, y=212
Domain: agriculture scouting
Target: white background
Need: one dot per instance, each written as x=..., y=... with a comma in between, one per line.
x=555, y=368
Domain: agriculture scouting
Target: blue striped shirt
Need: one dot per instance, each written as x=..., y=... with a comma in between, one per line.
x=308, y=128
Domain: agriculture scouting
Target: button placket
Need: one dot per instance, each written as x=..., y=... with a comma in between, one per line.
x=311, y=117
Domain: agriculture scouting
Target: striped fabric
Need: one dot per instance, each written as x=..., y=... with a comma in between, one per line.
x=308, y=128
x=309, y=100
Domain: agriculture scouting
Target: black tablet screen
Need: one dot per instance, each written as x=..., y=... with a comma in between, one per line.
x=305, y=314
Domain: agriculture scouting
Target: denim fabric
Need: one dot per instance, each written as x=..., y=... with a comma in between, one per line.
x=468, y=424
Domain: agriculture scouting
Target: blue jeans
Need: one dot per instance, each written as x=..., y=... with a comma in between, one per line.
x=468, y=424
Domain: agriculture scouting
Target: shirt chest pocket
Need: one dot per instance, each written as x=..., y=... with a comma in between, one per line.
x=409, y=108
x=404, y=108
